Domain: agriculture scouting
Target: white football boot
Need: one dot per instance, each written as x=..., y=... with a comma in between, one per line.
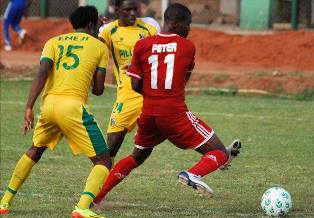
x=7, y=48
x=22, y=36
x=195, y=182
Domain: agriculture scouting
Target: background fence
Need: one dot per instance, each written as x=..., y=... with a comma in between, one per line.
x=204, y=11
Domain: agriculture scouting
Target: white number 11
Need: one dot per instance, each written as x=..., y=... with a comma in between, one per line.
x=169, y=60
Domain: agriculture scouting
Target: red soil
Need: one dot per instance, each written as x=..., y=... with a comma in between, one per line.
x=280, y=62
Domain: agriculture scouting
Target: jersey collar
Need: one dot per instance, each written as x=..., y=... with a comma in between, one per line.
x=167, y=34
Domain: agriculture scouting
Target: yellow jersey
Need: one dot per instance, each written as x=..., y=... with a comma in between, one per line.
x=121, y=41
x=75, y=57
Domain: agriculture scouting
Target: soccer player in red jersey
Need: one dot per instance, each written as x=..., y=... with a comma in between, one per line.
x=161, y=66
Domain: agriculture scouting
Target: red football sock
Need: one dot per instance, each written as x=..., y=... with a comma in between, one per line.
x=210, y=162
x=121, y=170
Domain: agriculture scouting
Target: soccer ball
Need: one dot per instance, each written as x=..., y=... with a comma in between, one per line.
x=276, y=201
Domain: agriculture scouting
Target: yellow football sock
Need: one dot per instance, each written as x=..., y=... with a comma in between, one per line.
x=93, y=186
x=20, y=173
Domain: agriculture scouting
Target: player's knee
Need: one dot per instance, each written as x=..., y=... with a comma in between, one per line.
x=102, y=159
x=141, y=155
x=35, y=153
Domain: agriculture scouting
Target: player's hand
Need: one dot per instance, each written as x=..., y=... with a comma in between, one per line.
x=28, y=120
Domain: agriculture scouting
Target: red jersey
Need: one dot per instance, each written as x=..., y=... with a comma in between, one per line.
x=163, y=62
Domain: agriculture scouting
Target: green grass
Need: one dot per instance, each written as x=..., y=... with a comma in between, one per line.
x=278, y=148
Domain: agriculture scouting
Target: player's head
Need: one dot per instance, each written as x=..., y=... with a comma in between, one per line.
x=85, y=18
x=127, y=11
x=178, y=19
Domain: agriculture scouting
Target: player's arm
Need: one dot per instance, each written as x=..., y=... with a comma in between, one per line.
x=135, y=69
x=37, y=87
x=137, y=84
x=99, y=81
x=100, y=72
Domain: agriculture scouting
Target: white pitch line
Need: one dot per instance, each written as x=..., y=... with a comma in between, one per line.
x=194, y=112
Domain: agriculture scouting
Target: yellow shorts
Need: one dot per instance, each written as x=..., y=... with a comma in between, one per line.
x=67, y=117
x=126, y=110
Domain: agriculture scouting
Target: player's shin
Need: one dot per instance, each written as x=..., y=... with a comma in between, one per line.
x=121, y=170
x=210, y=162
x=20, y=174
x=94, y=182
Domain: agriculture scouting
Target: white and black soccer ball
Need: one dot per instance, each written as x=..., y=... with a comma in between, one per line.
x=276, y=201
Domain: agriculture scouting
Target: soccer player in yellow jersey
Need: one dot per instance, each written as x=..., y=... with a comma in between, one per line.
x=69, y=65
x=120, y=36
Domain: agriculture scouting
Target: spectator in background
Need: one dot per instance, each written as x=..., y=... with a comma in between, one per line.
x=13, y=16
x=145, y=11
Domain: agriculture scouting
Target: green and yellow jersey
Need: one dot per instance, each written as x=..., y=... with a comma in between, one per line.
x=75, y=57
x=121, y=41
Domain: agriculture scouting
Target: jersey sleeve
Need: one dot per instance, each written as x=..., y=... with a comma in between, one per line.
x=103, y=62
x=104, y=34
x=48, y=53
x=135, y=69
x=152, y=29
x=152, y=22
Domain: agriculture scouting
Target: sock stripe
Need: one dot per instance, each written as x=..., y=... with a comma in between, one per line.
x=90, y=194
x=11, y=191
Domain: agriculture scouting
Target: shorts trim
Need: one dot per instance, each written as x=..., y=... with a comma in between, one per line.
x=133, y=74
x=205, y=140
x=199, y=128
x=94, y=133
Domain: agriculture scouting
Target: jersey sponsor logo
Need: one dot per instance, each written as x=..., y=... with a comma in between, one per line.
x=159, y=48
x=125, y=53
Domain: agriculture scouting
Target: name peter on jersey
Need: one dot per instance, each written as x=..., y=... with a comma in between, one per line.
x=159, y=48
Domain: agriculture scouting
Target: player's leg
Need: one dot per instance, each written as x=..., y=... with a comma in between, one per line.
x=97, y=176
x=187, y=131
x=214, y=155
x=122, y=120
x=45, y=135
x=147, y=136
x=19, y=175
x=16, y=24
x=7, y=19
x=83, y=135
x=122, y=169
x=115, y=140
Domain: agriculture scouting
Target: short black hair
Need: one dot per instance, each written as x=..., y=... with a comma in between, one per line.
x=118, y=3
x=84, y=15
x=177, y=12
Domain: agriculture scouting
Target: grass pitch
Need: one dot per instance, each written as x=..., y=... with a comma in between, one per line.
x=278, y=148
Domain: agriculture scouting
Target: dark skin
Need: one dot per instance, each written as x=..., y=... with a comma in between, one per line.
x=181, y=28
x=35, y=153
x=127, y=13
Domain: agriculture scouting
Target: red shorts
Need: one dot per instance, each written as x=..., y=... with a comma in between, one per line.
x=184, y=130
